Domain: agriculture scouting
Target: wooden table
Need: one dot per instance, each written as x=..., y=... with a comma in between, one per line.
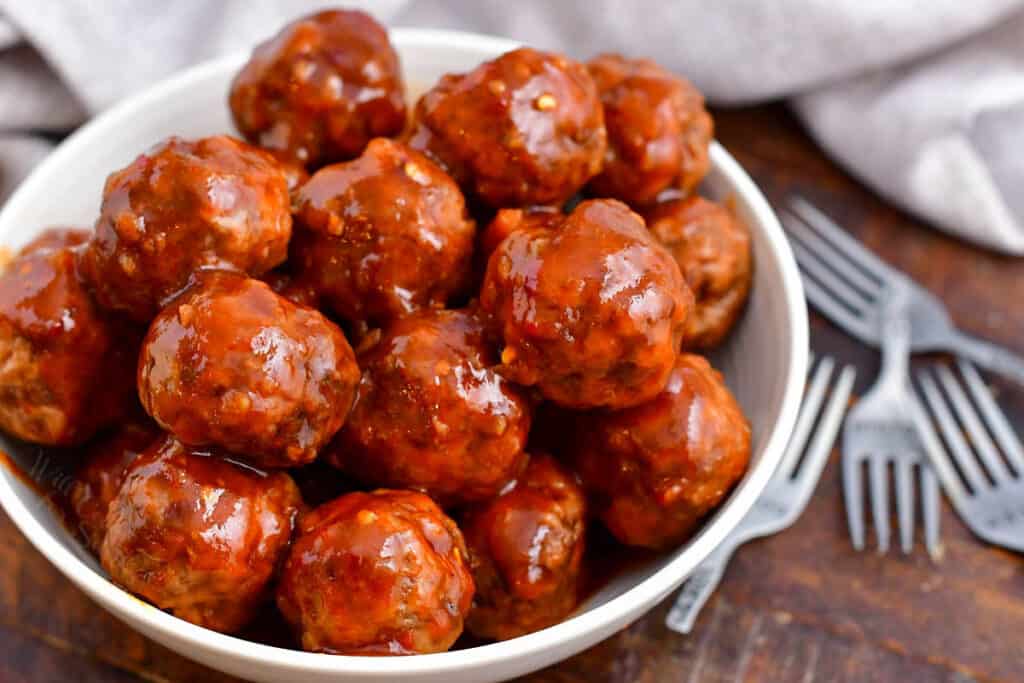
x=800, y=606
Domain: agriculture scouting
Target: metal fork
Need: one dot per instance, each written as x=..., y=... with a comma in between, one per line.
x=882, y=431
x=988, y=492
x=846, y=282
x=786, y=494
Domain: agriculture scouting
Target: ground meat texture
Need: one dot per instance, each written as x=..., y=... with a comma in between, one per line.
x=525, y=128
x=525, y=550
x=184, y=206
x=65, y=366
x=592, y=313
x=507, y=221
x=381, y=573
x=658, y=130
x=383, y=235
x=231, y=364
x=712, y=247
x=431, y=415
x=321, y=89
x=99, y=479
x=654, y=471
x=197, y=535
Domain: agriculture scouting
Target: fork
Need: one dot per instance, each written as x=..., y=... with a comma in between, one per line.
x=785, y=495
x=846, y=282
x=882, y=431
x=988, y=492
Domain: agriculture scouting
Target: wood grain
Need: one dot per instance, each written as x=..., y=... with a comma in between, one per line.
x=801, y=606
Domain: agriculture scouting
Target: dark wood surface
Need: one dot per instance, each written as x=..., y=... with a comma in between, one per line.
x=800, y=606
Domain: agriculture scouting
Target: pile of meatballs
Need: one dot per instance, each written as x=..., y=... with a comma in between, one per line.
x=486, y=312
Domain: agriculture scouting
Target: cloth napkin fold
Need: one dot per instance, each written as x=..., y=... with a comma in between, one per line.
x=921, y=99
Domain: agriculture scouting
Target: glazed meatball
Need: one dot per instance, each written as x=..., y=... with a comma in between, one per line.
x=65, y=366
x=99, y=479
x=197, y=535
x=381, y=573
x=231, y=364
x=525, y=550
x=712, y=247
x=655, y=470
x=321, y=89
x=431, y=415
x=507, y=221
x=591, y=314
x=382, y=235
x=184, y=206
x=658, y=130
x=525, y=128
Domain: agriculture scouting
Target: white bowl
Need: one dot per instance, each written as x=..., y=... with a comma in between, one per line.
x=764, y=363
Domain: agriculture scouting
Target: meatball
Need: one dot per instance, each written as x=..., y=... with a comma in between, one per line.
x=65, y=366
x=382, y=235
x=507, y=221
x=231, y=364
x=712, y=247
x=655, y=470
x=381, y=573
x=212, y=203
x=431, y=415
x=197, y=535
x=525, y=550
x=525, y=128
x=658, y=130
x=591, y=314
x=321, y=89
x=99, y=479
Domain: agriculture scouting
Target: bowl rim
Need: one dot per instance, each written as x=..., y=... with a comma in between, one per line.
x=617, y=611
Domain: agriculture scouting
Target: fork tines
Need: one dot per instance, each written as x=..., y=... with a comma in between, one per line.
x=984, y=476
x=991, y=468
x=841, y=277
x=821, y=414
x=902, y=470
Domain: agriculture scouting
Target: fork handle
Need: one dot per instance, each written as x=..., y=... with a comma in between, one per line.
x=697, y=589
x=990, y=356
